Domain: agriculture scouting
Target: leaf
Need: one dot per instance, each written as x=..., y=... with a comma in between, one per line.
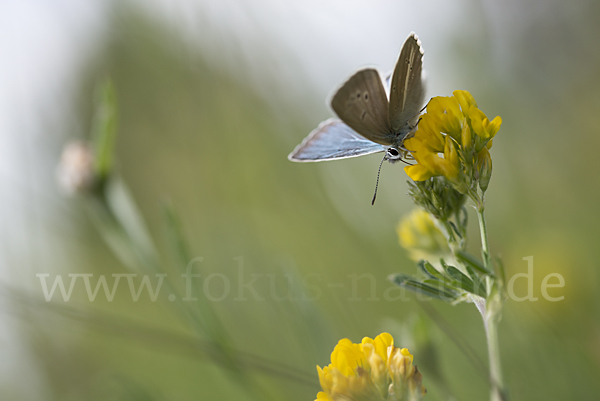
x=202, y=313
x=453, y=279
x=464, y=282
x=434, y=289
x=455, y=229
x=478, y=280
x=470, y=260
x=430, y=271
x=472, y=273
x=126, y=213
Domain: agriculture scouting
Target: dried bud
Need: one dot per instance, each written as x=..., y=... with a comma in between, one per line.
x=76, y=171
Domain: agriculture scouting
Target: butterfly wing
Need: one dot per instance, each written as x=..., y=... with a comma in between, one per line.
x=362, y=104
x=407, y=89
x=332, y=140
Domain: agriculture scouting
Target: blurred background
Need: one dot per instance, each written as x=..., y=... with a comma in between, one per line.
x=211, y=97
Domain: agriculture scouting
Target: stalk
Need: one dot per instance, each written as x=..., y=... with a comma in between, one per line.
x=491, y=314
x=497, y=392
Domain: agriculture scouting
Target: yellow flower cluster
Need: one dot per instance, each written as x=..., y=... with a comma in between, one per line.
x=419, y=235
x=370, y=371
x=452, y=140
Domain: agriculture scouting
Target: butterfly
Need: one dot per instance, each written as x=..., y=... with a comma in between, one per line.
x=368, y=121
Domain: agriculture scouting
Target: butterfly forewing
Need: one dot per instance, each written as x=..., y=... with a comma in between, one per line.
x=362, y=104
x=333, y=140
x=407, y=90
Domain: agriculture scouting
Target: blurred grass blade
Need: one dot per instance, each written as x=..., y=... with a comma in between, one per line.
x=113, y=235
x=175, y=235
x=204, y=317
x=120, y=202
x=154, y=337
x=104, y=128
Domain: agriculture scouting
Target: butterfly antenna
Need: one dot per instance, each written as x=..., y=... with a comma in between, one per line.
x=377, y=183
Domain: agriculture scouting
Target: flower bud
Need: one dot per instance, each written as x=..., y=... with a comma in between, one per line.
x=484, y=167
x=437, y=196
x=76, y=171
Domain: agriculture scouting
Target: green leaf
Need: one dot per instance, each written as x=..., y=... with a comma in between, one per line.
x=202, y=314
x=470, y=260
x=501, y=269
x=455, y=229
x=462, y=281
x=472, y=273
x=124, y=210
x=104, y=128
x=456, y=274
x=433, y=288
x=453, y=278
x=430, y=271
x=478, y=280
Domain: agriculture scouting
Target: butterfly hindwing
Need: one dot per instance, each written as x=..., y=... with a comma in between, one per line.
x=333, y=140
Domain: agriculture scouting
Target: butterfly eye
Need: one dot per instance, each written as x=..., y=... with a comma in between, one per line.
x=393, y=154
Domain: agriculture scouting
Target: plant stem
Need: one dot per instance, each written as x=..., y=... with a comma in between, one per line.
x=491, y=313
x=491, y=320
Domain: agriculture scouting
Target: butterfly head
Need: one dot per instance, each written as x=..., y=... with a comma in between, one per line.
x=393, y=154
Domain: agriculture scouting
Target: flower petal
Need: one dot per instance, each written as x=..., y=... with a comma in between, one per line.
x=381, y=343
x=346, y=357
x=418, y=172
x=321, y=396
x=466, y=100
x=483, y=127
x=446, y=114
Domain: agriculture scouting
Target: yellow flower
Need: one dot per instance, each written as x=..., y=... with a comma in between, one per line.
x=483, y=127
x=446, y=113
x=466, y=101
x=419, y=235
x=370, y=371
x=448, y=140
x=426, y=147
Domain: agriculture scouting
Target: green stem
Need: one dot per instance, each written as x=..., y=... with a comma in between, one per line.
x=491, y=313
x=491, y=320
